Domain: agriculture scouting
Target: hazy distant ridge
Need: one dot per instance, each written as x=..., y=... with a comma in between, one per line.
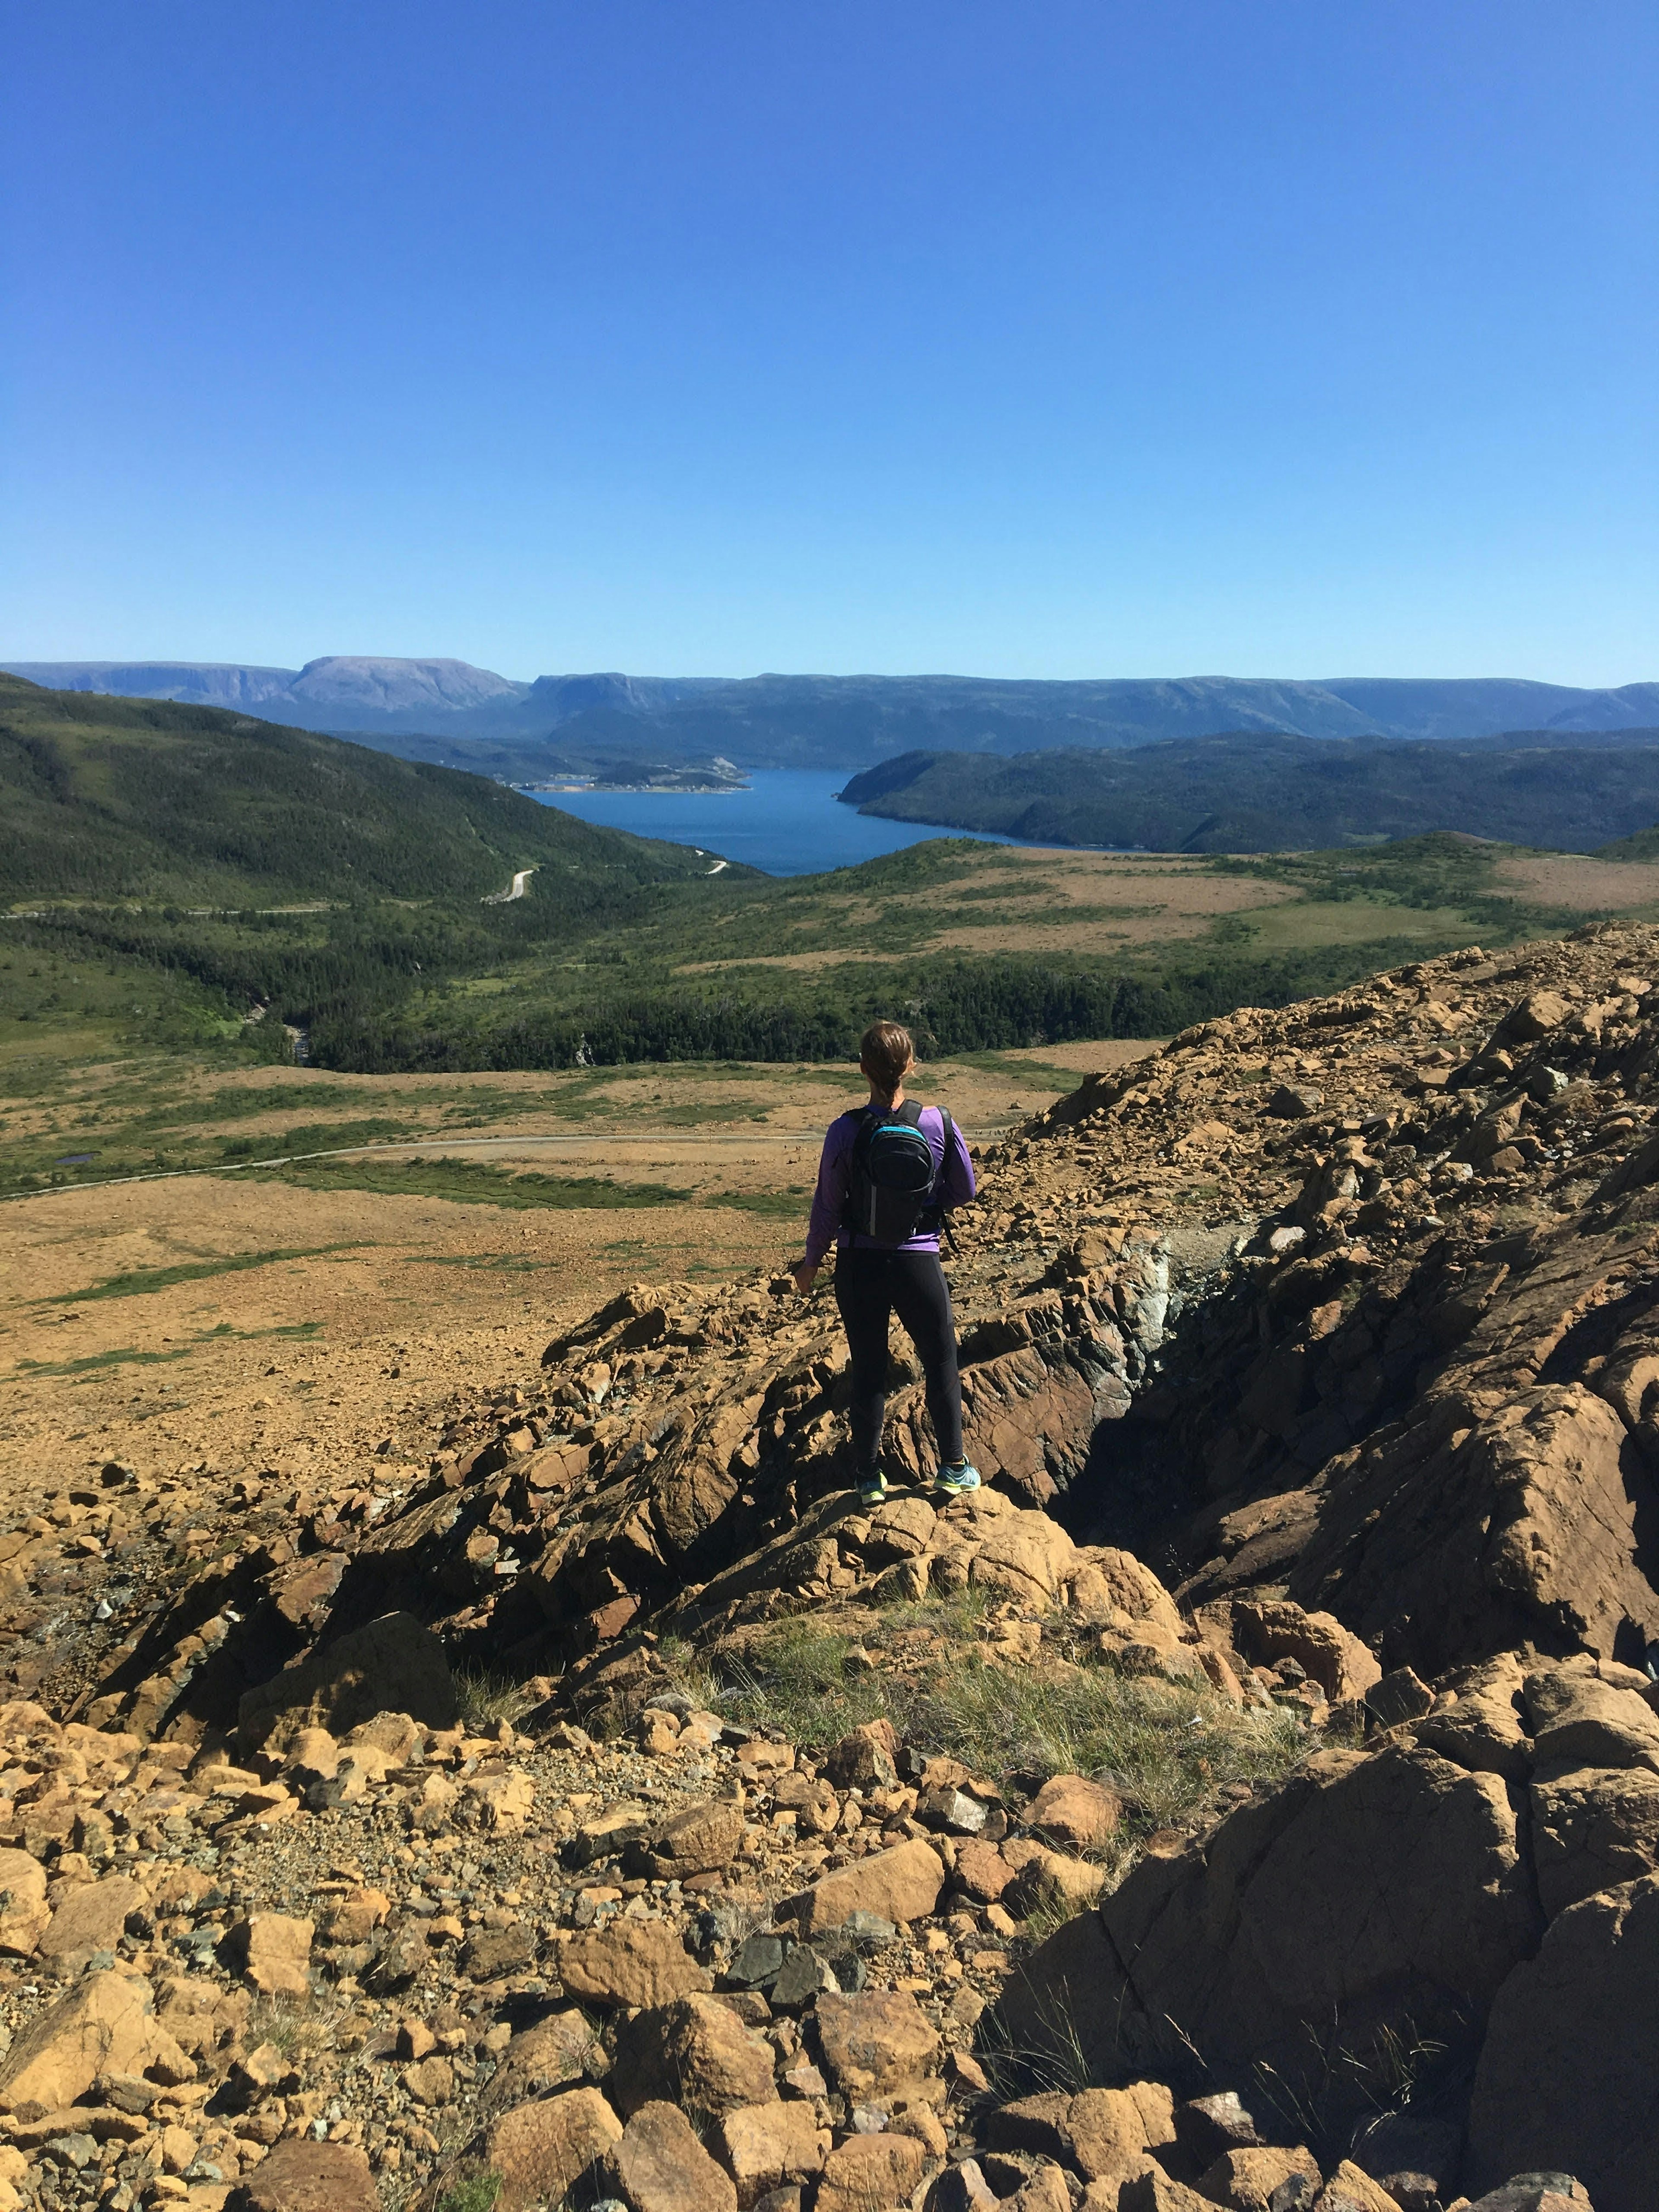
x=842, y=720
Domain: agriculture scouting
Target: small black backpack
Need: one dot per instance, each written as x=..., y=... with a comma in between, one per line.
x=891, y=1177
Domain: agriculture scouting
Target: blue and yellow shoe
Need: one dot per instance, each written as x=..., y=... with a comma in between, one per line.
x=954, y=1478
x=872, y=1487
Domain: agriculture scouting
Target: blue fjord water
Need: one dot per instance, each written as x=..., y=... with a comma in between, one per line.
x=788, y=821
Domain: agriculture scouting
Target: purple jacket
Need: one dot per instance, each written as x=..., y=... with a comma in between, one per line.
x=955, y=1187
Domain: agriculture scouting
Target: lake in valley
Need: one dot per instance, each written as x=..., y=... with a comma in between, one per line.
x=788, y=821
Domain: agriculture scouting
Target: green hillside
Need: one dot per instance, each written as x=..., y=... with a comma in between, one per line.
x=134, y=799
x=1643, y=846
x=1255, y=792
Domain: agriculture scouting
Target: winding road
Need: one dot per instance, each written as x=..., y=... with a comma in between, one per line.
x=506, y=897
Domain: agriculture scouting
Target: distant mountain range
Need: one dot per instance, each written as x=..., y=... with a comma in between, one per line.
x=448, y=711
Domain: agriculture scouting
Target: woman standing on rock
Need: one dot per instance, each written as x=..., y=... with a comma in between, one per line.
x=889, y=1173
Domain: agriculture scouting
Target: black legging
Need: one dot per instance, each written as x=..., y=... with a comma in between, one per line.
x=869, y=1284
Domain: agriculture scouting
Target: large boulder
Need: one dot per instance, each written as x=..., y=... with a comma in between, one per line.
x=1400, y=1896
x=105, y=2023
x=1565, y=2080
x=1466, y=1531
x=302, y=2176
x=393, y=1665
x=1372, y=1896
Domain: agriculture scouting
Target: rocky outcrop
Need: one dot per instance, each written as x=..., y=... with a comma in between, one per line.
x=1438, y=1893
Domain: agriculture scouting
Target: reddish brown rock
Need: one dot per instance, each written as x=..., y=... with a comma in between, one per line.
x=1098, y=2133
x=901, y=1884
x=24, y=1912
x=1024, y=1556
x=394, y=1665
x=699, y=1840
x=769, y=2146
x=432, y=2081
x=92, y=1917
x=1268, y=1630
x=1520, y=1529
x=1351, y=2190
x=1566, y=2078
x=866, y=1759
x=103, y=2024
x=871, y=2173
x=560, y=2049
x=696, y=2052
x=659, y=2165
x=981, y=1872
x=1153, y=2191
x=875, y=2042
x=1389, y=1886
x=539, y=2150
x=1247, y=2179
x=302, y=2176
x=1115, y=2130
x=1053, y=1881
x=1075, y=1811
x=275, y=1952
x=632, y=1962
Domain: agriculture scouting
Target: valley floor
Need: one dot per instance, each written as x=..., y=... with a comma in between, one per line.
x=271, y=1327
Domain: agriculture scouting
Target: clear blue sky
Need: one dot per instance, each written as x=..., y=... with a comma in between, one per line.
x=1307, y=337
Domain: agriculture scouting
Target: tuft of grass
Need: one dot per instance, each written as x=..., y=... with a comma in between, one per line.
x=300, y=2027
x=796, y=1679
x=1165, y=1747
x=1054, y=2058
x=477, y=2193
x=486, y=1699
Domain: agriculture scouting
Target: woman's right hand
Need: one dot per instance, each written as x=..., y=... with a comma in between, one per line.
x=806, y=1272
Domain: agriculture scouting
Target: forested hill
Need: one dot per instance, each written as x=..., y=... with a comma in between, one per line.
x=1249, y=793
x=104, y=798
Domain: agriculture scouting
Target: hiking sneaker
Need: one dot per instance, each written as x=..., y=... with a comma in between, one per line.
x=955, y=1477
x=872, y=1487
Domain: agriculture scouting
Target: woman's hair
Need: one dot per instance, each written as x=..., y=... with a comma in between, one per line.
x=886, y=1055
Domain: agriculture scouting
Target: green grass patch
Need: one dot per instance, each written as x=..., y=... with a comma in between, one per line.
x=477, y=2193
x=464, y=1182
x=127, y=1355
x=775, y=1204
x=141, y=1282
x=1022, y=1073
x=317, y=1137
x=1167, y=1748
